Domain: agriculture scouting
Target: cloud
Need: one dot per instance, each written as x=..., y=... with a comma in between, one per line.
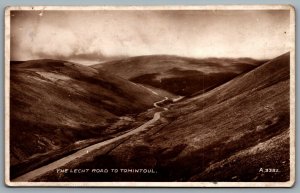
x=98, y=35
x=53, y=42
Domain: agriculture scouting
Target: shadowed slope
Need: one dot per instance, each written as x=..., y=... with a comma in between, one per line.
x=226, y=134
x=55, y=103
x=179, y=75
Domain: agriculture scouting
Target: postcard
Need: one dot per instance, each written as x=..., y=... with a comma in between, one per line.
x=150, y=96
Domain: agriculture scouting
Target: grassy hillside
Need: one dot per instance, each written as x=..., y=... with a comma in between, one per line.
x=56, y=103
x=226, y=134
x=179, y=75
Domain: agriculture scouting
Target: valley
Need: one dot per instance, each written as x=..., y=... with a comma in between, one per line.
x=210, y=134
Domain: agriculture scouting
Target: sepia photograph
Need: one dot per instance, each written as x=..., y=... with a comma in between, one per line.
x=150, y=96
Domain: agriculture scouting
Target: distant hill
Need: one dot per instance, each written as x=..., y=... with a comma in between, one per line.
x=179, y=75
x=226, y=134
x=56, y=103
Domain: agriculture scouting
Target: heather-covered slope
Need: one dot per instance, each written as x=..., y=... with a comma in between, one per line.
x=226, y=134
x=56, y=103
x=179, y=75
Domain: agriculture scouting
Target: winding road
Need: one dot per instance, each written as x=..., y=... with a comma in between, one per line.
x=34, y=174
x=156, y=104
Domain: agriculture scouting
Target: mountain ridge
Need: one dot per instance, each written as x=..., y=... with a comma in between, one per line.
x=211, y=136
x=177, y=75
x=52, y=102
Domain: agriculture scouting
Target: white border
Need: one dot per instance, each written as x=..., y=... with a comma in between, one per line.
x=155, y=184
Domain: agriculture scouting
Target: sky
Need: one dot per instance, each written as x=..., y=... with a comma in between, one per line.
x=95, y=36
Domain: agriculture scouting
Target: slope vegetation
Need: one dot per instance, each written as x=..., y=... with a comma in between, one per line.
x=179, y=75
x=227, y=134
x=56, y=103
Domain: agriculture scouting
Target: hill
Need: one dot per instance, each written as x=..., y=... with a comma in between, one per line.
x=55, y=104
x=227, y=134
x=179, y=75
